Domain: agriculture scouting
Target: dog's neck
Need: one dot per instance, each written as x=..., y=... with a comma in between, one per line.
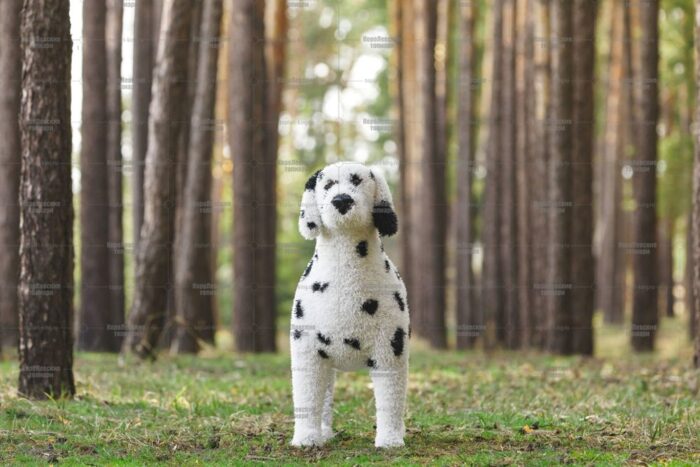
x=347, y=242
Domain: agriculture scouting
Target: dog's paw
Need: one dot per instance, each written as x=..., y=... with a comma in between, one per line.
x=307, y=438
x=389, y=442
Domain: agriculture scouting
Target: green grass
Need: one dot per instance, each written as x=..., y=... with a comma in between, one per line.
x=464, y=408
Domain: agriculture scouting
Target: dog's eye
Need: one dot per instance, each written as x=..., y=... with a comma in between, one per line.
x=329, y=184
x=355, y=179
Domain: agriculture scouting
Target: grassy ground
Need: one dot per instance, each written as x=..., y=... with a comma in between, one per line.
x=463, y=408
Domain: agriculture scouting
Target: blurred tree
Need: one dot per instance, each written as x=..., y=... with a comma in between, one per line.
x=696, y=195
x=171, y=320
x=492, y=294
x=560, y=179
x=145, y=33
x=10, y=158
x=95, y=313
x=46, y=203
x=508, y=323
x=193, y=271
x=154, y=252
x=115, y=13
x=540, y=164
x=524, y=53
x=610, y=264
x=468, y=318
x=428, y=213
x=247, y=140
x=582, y=261
x=644, y=305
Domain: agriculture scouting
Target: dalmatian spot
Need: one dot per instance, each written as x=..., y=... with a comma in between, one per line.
x=323, y=339
x=311, y=182
x=397, y=341
x=361, y=249
x=319, y=287
x=370, y=306
x=385, y=219
x=298, y=310
x=302, y=213
x=386, y=265
x=297, y=334
x=399, y=300
x=322, y=353
x=371, y=363
x=371, y=175
x=329, y=184
x=352, y=342
x=355, y=179
x=311, y=225
x=398, y=276
x=308, y=268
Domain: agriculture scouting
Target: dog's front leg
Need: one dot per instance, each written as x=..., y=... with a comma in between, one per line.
x=390, y=399
x=310, y=380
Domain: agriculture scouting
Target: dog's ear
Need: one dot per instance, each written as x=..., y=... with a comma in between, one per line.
x=383, y=213
x=309, y=216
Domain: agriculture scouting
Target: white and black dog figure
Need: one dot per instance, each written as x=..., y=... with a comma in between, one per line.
x=350, y=310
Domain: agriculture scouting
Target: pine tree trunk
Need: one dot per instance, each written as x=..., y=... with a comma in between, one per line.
x=94, y=195
x=644, y=305
x=688, y=279
x=582, y=261
x=524, y=174
x=10, y=158
x=468, y=318
x=194, y=284
x=492, y=294
x=246, y=132
x=430, y=197
x=560, y=181
x=610, y=288
x=696, y=200
x=115, y=13
x=155, y=249
x=46, y=204
x=405, y=69
x=509, y=323
x=145, y=49
x=267, y=224
x=540, y=188
x=665, y=261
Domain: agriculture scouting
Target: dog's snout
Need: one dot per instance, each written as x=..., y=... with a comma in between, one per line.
x=342, y=203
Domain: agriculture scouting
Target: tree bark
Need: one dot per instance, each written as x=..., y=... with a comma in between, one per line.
x=508, y=323
x=194, y=284
x=610, y=264
x=247, y=112
x=46, y=209
x=665, y=260
x=429, y=220
x=468, y=319
x=696, y=199
x=540, y=188
x=492, y=294
x=10, y=159
x=115, y=14
x=644, y=305
x=166, y=114
x=94, y=194
x=524, y=173
x=582, y=261
x=560, y=179
x=145, y=48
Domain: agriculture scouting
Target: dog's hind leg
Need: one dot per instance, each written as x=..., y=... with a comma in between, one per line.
x=390, y=398
x=327, y=416
x=310, y=381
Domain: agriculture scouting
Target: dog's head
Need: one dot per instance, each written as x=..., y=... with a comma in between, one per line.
x=346, y=196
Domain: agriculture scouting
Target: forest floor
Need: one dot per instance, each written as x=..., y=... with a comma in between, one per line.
x=464, y=408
